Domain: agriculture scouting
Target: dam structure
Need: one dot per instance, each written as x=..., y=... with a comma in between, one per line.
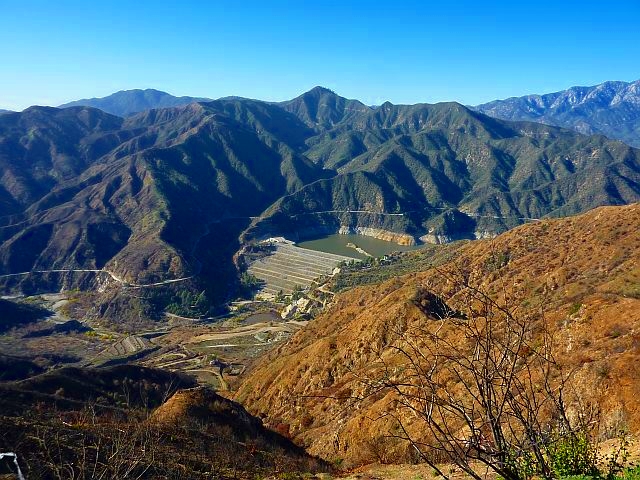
x=290, y=266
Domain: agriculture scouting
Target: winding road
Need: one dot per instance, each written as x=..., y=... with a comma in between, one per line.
x=115, y=277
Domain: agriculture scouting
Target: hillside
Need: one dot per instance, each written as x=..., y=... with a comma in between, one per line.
x=611, y=109
x=583, y=272
x=17, y=368
x=129, y=102
x=134, y=420
x=119, y=195
x=443, y=172
x=70, y=388
x=166, y=198
x=13, y=314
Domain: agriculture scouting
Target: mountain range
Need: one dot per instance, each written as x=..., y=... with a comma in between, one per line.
x=441, y=172
x=128, y=102
x=611, y=109
x=168, y=196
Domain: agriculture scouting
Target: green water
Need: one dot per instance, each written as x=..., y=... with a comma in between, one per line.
x=337, y=244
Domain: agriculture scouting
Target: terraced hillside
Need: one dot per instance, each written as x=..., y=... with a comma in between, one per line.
x=290, y=266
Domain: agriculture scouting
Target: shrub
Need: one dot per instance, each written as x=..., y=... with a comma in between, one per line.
x=573, y=455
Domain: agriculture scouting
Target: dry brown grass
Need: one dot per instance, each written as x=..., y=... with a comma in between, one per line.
x=591, y=261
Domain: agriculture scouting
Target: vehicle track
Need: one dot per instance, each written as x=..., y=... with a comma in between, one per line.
x=89, y=270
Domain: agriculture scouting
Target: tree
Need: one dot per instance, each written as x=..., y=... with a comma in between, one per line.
x=482, y=383
x=279, y=297
x=249, y=283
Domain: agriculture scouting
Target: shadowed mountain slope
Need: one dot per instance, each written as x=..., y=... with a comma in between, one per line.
x=154, y=423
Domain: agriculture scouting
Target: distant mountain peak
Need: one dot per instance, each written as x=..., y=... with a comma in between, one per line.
x=322, y=108
x=125, y=103
x=611, y=108
x=320, y=89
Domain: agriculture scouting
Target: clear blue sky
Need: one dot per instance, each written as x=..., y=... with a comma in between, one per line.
x=403, y=51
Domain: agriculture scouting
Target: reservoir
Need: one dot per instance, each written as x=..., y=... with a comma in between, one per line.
x=337, y=244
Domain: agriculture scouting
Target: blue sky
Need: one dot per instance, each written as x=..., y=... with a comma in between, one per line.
x=402, y=51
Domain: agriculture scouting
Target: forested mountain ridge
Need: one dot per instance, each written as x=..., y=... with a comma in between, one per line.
x=170, y=194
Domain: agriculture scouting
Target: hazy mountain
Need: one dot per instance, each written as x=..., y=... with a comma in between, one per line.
x=4, y=111
x=129, y=102
x=167, y=194
x=611, y=108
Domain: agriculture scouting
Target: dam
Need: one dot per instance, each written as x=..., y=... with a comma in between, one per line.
x=290, y=266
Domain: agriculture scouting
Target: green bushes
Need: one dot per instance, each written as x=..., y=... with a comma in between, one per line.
x=189, y=304
x=632, y=473
x=249, y=284
x=574, y=455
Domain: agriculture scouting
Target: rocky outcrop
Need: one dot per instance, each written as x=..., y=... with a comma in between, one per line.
x=439, y=239
x=321, y=229
x=387, y=236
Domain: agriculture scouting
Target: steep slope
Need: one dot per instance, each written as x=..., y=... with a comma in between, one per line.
x=321, y=109
x=42, y=147
x=203, y=405
x=141, y=421
x=583, y=270
x=442, y=172
x=129, y=102
x=200, y=169
x=611, y=109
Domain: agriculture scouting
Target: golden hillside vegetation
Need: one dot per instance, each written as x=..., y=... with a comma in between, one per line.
x=583, y=271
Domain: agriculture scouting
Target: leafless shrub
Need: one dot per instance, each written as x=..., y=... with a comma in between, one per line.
x=482, y=383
